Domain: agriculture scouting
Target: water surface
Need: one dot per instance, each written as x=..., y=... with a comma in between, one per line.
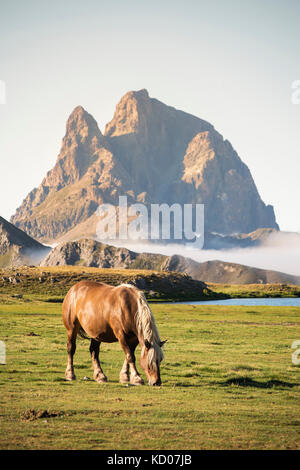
x=263, y=301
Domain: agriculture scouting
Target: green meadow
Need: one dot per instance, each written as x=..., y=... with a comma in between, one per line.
x=228, y=382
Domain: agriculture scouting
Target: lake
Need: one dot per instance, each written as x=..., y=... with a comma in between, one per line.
x=283, y=302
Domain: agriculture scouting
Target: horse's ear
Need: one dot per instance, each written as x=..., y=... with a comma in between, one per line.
x=147, y=344
x=162, y=343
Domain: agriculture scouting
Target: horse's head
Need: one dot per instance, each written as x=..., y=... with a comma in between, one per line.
x=151, y=357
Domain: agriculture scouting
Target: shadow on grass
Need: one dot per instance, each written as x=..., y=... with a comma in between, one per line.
x=248, y=382
x=186, y=384
x=63, y=380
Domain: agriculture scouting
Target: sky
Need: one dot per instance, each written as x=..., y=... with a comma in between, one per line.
x=229, y=62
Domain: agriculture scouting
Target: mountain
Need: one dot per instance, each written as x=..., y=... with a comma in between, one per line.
x=227, y=273
x=91, y=253
x=153, y=153
x=17, y=248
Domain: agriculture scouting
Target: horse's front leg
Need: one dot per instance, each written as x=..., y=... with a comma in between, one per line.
x=71, y=348
x=124, y=374
x=99, y=375
x=129, y=362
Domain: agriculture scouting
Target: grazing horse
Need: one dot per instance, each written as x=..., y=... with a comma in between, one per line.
x=109, y=314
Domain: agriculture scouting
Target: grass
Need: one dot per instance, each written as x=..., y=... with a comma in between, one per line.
x=255, y=290
x=228, y=382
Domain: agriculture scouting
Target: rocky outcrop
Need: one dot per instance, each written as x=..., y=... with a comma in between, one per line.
x=150, y=152
x=17, y=248
x=91, y=253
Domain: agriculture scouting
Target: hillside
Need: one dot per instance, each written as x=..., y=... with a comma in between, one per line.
x=52, y=283
x=17, y=248
x=153, y=153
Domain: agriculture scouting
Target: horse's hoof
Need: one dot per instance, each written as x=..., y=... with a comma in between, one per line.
x=100, y=378
x=136, y=380
x=124, y=378
x=70, y=377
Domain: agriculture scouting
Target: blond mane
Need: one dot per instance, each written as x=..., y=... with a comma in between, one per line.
x=146, y=327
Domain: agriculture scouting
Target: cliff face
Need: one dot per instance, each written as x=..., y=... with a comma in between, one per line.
x=151, y=153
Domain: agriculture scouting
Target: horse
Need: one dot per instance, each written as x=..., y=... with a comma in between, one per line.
x=105, y=313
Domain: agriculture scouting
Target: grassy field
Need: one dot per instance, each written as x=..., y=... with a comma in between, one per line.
x=255, y=290
x=228, y=383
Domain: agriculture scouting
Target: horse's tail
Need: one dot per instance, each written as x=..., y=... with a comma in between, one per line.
x=82, y=333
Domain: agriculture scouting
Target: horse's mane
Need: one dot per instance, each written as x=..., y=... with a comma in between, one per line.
x=146, y=327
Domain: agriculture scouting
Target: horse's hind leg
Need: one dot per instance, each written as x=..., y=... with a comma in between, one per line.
x=71, y=348
x=129, y=348
x=99, y=375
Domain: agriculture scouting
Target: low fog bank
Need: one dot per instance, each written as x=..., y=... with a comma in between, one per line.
x=35, y=256
x=281, y=252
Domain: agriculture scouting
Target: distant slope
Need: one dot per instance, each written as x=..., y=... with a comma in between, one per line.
x=259, y=237
x=227, y=273
x=87, y=252
x=17, y=248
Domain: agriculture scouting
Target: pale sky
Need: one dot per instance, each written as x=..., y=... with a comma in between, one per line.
x=230, y=62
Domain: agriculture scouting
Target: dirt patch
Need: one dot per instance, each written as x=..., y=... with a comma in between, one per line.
x=31, y=414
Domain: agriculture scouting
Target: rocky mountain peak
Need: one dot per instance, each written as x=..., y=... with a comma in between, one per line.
x=129, y=113
x=81, y=127
x=149, y=149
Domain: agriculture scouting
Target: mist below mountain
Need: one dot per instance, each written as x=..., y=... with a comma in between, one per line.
x=280, y=252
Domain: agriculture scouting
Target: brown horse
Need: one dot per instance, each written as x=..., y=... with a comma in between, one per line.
x=109, y=314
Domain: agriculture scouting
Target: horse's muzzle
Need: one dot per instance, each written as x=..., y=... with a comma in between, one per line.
x=155, y=384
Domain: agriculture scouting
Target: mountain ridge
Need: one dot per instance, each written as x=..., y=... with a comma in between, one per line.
x=90, y=253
